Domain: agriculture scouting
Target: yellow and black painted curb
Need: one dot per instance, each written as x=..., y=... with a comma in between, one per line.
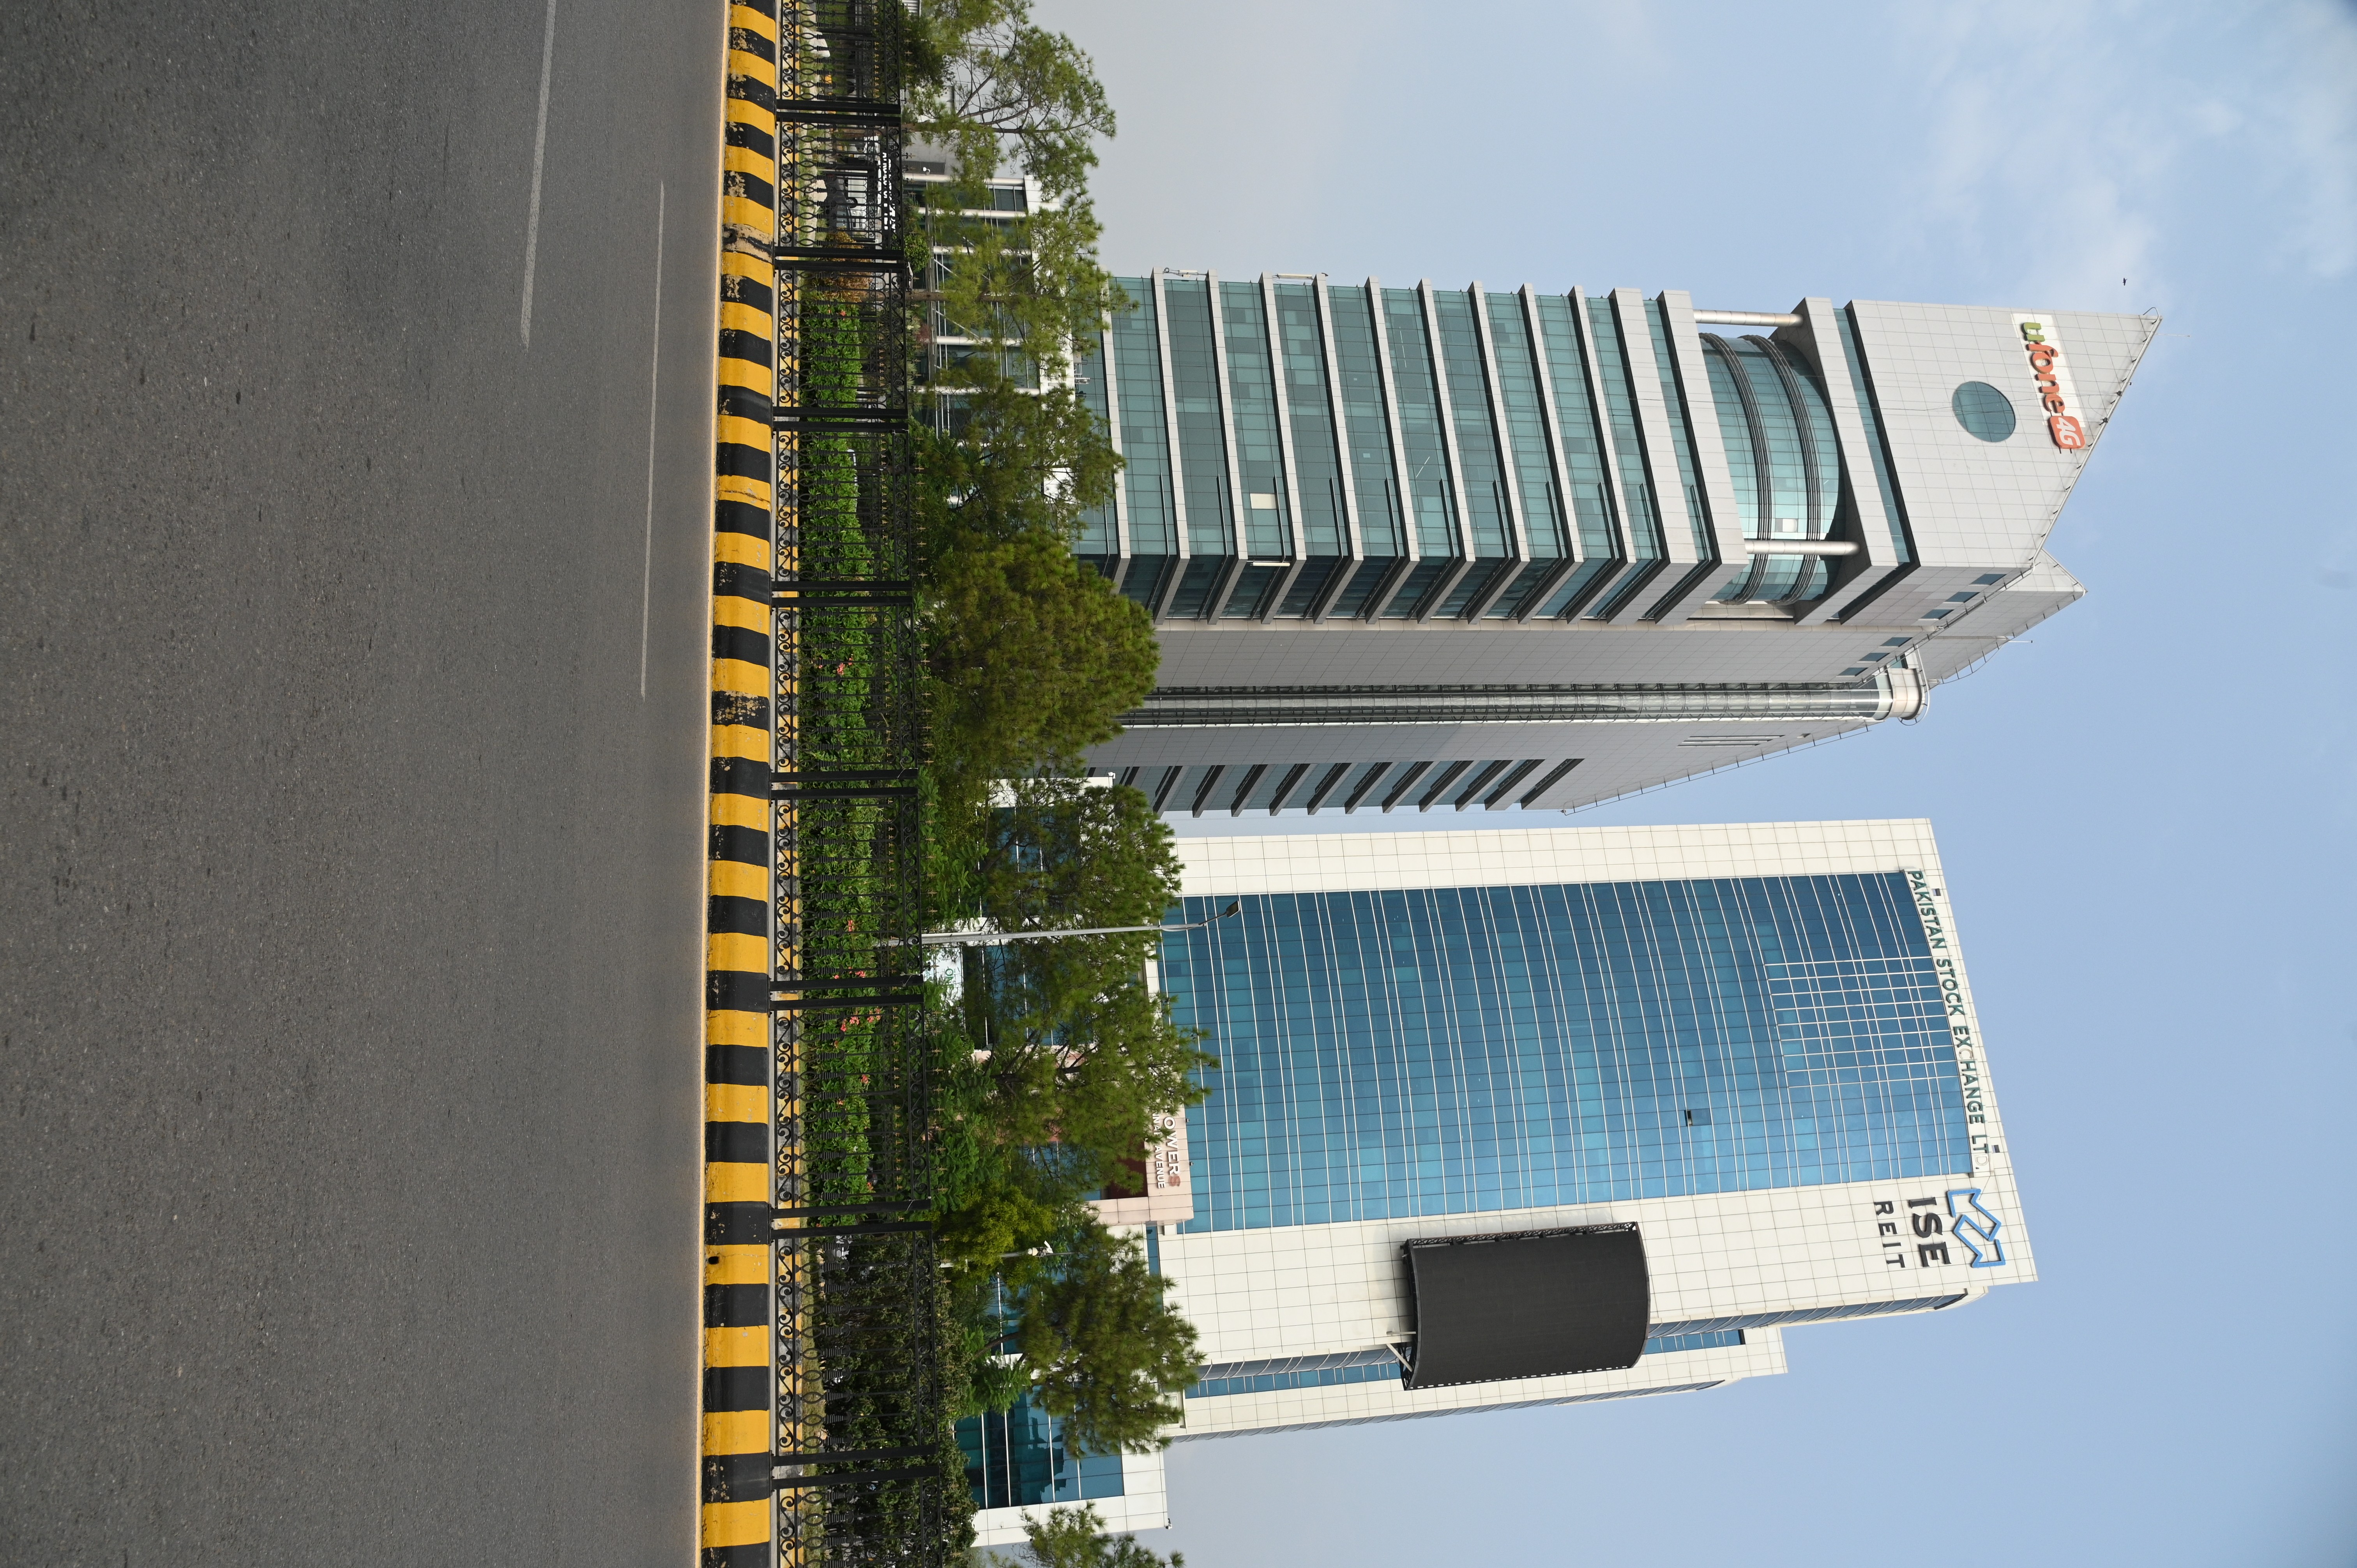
x=738, y=1525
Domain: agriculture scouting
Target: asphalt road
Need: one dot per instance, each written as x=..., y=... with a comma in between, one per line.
x=349, y=961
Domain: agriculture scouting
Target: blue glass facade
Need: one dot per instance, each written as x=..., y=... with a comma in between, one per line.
x=1462, y=1050
x=1017, y=1456
x=1308, y=1377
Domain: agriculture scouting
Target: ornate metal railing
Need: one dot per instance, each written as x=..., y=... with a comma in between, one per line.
x=869, y=1473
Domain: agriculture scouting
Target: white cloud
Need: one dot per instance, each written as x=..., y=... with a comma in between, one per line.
x=2076, y=142
x=2316, y=123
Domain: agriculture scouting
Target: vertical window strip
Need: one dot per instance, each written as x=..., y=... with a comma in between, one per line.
x=1368, y=423
x=1430, y=502
x=1620, y=400
x=1518, y=391
x=1780, y=438
x=1657, y=321
x=1582, y=431
x=1252, y=392
x=1317, y=454
x=1202, y=435
x=1477, y=439
x=1144, y=428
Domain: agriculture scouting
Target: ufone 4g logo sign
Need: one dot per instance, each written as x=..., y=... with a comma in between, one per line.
x=1930, y=1234
x=2046, y=370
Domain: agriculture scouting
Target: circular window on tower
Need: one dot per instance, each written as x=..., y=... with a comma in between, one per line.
x=1983, y=410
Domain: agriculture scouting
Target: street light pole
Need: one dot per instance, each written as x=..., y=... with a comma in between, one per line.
x=993, y=938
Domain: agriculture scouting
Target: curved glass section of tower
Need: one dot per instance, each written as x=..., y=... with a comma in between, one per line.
x=1784, y=462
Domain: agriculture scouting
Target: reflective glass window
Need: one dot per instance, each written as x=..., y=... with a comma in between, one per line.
x=1715, y=1339
x=1430, y=502
x=1806, y=1314
x=1202, y=435
x=1303, y=1378
x=1779, y=440
x=1476, y=434
x=1311, y=585
x=1316, y=460
x=1250, y=597
x=1571, y=592
x=1017, y=1456
x=1577, y=423
x=1628, y=446
x=1367, y=424
x=1366, y=581
x=1657, y=320
x=1534, y=580
x=1147, y=576
x=1197, y=586
x=1518, y=390
x=1414, y=1052
x=1252, y=390
x=1474, y=586
x=1727, y=396
x=1144, y=432
x=1416, y=588
x=1984, y=411
x=1782, y=459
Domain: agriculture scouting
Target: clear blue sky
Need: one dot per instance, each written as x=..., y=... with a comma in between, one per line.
x=2146, y=810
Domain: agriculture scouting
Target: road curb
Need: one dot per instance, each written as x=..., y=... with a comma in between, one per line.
x=738, y=1527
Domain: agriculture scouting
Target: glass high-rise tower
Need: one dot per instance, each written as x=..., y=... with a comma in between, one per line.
x=1420, y=548
x=1416, y=548
x=1754, y=1045
x=1554, y=1116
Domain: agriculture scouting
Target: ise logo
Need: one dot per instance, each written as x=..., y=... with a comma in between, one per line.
x=1976, y=1229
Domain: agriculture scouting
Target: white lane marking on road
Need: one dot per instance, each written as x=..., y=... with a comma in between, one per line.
x=647, y=581
x=539, y=156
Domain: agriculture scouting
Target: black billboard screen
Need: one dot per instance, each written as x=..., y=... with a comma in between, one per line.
x=1530, y=1303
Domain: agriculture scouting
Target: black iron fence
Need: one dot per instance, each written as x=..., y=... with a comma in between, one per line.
x=870, y=1473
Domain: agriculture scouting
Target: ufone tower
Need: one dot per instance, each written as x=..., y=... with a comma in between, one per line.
x=1426, y=548
x=1548, y=1116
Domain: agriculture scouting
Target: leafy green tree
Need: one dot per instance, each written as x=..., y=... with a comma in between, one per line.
x=993, y=1239
x=1016, y=461
x=1081, y=1051
x=1094, y=1074
x=1033, y=654
x=986, y=78
x=1101, y=1348
x=1027, y=287
x=1075, y=1538
x=1067, y=853
x=996, y=1220
x=990, y=87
